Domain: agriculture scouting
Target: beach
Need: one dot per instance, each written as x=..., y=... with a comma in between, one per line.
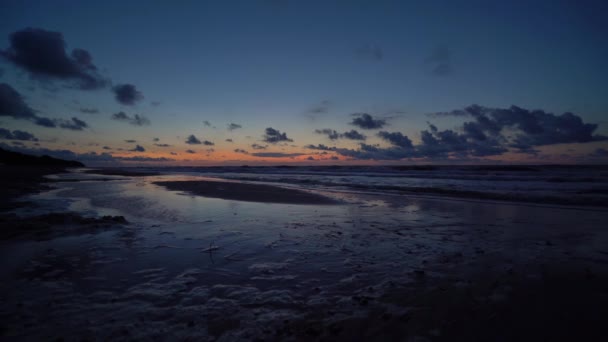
x=180, y=255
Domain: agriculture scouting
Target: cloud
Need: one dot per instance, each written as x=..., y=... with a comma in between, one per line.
x=43, y=54
x=16, y=135
x=136, y=120
x=370, y=52
x=162, y=145
x=89, y=110
x=127, y=94
x=238, y=150
x=396, y=138
x=440, y=61
x=192, y=140
x=138, y=148
x=274, y=136
x=190, y=151
x=310, y=158
x=366, y=121
x=493, y=132
x=320, y=147
x=353, y=135
x=258, y=147
x=318, y=110
x=275, y=154
x=330, y=133
x=107, y=148
x=13, y=105
x=228, y=140
x=155, y=139
x=207, y=123
x=73, y=124
x=130, y=141
x=334, y=135
x=208, y=143
x=233, y=126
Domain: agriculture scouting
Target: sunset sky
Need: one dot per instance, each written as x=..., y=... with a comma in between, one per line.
x=309, y=82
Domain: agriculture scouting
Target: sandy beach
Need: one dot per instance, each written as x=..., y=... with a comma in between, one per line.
x=182, y=257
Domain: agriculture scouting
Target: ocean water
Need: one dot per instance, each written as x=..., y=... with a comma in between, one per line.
x=565, y=185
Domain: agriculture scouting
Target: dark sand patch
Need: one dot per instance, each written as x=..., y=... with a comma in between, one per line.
x=246, y=192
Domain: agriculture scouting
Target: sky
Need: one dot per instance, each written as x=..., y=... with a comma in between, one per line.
x=265, y=82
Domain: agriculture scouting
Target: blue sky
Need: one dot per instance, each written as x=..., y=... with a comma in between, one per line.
x=298, y=66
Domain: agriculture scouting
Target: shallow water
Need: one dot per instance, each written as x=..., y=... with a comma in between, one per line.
x=231, y=269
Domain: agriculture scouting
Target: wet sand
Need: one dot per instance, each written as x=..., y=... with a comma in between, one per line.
x=246, y=192
x=372, y=268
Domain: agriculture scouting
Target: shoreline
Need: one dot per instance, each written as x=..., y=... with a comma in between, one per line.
x=246, y=192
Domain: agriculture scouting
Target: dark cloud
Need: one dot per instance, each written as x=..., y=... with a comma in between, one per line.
x=366, y=121
x=173, y=153
x=238, y=150
x=136, y=120
x=45, y=122
x=494, y=131
x=258, y=147
x=130, y=141
x=138, y=148
x=13, y=105
x=274, y=136
x=74, y=124
x=521, y=128
x=310, y=158
x=107, y=148
x=155, y=139
x=192, y=140
x=330, y=133
x=43, y=54
x=320, y=147
x=228, y=140
x=207, y=123
x=16, y=135
x=440, y=61
x=370, y=52
x=208, y=143
x=162, y=145
x=190, y=151
x=89, y=110
x=233, y=126
x=334, y=158
x=275, y=154
x=396, y=138
x=127, y=94
x=353, y=135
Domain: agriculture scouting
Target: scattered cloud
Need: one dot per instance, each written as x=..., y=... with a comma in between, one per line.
x=127, y=94
x=233, y=126
x=193, y=140
x=334, y=135
x=366, y=121
x=320, y=147
x=258, y=147
x=493, y=132
x=16, y=135
x=207, y=123
x=208, y=143
x=43, y=55
x=190, y=151
x=274, y=136
x=130, y=141
x=136, y=120
x=238, y=150
x=330, y=133
x=73, y=124
x=162, y=145
x=155, y=139
x=228, y=140
x=138, y=148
